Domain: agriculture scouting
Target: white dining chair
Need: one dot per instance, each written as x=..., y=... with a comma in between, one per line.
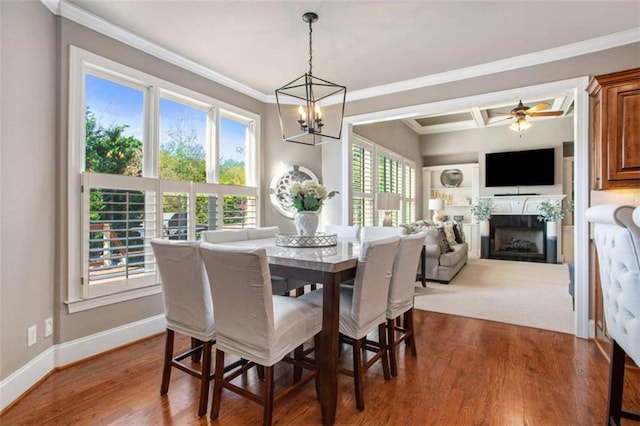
x=363, y=308
x=219, y=236
x=343, y=231
x=377, y=232
x=188, y=310
x=617, y=240
x=252, y=323
x=280, y=285
x=401, y=295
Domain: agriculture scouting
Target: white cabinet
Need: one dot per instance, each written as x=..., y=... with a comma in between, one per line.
x=473, y=238
x=456, y=184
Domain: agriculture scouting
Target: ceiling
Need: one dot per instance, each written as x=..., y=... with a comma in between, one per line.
x=260, y=45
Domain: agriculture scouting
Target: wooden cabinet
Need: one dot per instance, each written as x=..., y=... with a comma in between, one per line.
x=615, y=129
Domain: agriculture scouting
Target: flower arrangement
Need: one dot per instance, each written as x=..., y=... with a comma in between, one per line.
x=308, y=195
x=482, y=210
x=552, y=211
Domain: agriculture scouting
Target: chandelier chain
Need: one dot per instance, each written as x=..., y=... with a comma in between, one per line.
x=310, y=48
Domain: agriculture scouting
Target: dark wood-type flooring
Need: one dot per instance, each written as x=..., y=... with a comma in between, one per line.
x=468, y=372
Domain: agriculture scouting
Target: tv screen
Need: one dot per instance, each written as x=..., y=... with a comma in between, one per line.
x=520, y=168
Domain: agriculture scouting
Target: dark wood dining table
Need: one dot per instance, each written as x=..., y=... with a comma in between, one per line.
x=329, y=266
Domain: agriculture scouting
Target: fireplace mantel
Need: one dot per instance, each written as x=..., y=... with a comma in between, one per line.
x=520, y=204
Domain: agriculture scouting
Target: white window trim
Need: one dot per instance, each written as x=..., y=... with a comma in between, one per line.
x=80, y=61
x=356, y=139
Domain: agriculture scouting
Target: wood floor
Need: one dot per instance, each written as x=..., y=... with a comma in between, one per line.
x=468, y=372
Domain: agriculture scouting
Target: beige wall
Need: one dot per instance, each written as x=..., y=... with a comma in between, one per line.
x=33, y=113
x=28, y=179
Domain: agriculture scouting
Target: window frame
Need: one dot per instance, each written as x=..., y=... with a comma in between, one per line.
x=82, y=62
x=404, y=163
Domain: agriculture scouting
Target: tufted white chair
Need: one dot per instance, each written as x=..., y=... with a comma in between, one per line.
x=363, y=307
x=188, y=310
x=251, y=322
x=617, y=240
x=400, y=299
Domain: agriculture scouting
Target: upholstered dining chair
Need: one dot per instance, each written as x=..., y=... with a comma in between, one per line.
x=400, y=300
x=363, y=307
x=376, y=232
x=617, y=240
x=188, y=310
x=279, y=285
x=240, y=284
x=343, y=231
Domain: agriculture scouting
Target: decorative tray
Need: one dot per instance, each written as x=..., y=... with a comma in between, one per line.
x=320, y=239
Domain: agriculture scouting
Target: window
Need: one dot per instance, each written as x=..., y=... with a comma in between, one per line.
x=389, y=172
x=151, y=159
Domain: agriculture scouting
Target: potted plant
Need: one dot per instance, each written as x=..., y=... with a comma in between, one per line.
x=307, y=198
x=552, y=212
x=482, y=212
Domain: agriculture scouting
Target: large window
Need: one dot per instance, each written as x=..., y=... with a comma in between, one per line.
x=375, y=169
x=151, y=159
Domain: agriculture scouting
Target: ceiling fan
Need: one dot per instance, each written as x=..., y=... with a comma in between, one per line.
x=521, y=111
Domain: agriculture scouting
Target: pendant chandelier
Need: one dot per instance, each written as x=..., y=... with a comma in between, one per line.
x=299, y=104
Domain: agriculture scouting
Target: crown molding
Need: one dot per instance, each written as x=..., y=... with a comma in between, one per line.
x=95, y=23
x=82, y=17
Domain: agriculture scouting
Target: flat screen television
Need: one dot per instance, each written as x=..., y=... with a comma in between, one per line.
x=520, y=168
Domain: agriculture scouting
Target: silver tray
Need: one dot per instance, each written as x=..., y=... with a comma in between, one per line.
x=320, y=239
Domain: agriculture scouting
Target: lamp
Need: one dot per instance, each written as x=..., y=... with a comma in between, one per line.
x=387, y=201
x=521, y=124
x=301, y=118
x=436, y=204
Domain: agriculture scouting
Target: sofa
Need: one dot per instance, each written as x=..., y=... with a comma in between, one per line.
x=445, y=250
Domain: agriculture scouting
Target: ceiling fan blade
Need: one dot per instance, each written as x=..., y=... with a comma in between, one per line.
x=540, y=106
x=546, y=114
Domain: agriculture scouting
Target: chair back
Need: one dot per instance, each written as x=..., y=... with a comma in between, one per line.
x=241, y=288
x=403, y=280
x=224, y=236
x=343, y=231
x=617, y=240
x=368, y=233
x=371, y=285
x=264, y=232
x=187, y=297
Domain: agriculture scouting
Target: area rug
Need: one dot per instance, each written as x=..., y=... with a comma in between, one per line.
x=521, y=293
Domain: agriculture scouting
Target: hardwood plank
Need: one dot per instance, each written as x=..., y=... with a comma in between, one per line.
x=467, y=371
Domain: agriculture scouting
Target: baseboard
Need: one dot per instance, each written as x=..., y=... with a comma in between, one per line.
x=20, y=381
x=592, y=329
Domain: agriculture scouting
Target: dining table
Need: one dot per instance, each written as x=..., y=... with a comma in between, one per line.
x=328, y=266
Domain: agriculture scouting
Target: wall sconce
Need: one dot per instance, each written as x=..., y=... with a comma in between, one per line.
x=387, y=201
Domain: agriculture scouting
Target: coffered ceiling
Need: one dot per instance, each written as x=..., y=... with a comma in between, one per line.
x=486, y=116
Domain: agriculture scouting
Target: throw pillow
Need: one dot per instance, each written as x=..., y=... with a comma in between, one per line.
x=463, y=237
x=435, y=235
x=449, y=234
x=456, y=232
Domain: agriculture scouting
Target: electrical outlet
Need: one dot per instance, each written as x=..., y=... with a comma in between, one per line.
x=32, y=333
x=48, y=327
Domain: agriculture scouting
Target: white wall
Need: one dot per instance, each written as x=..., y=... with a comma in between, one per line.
x=477, y=142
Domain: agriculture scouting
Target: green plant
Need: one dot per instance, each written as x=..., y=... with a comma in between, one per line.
x=553, y=211
x=307, y=196
x=482, y=210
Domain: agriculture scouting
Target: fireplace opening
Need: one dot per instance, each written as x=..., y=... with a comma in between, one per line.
x=517, y=237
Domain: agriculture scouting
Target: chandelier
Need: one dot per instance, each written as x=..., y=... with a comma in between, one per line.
x=299, y=104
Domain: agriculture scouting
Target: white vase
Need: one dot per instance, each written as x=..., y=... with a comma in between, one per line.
x=306, y=223
x=552, y=229
x=485, y=228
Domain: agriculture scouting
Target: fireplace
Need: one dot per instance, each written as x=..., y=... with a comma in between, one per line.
x=517, y=237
